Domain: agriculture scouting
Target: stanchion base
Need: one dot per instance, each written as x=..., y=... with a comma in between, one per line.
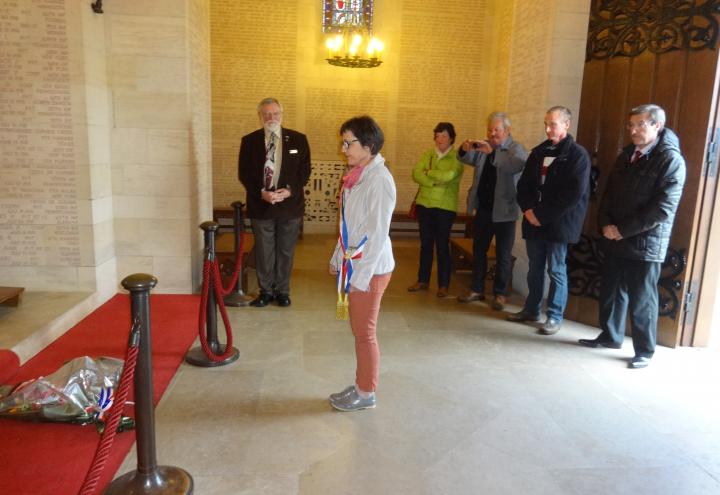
x=197, y=357
x=237, y=300
x=165, y=480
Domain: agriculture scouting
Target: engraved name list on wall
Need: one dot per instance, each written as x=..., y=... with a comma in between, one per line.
x=38, y=190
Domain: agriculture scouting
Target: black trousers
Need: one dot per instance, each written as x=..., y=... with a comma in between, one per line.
x=630, y=286
x=484, y=229
x=435, y=225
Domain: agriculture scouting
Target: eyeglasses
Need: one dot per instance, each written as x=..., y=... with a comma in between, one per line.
x=346, y=144
x=271, y=115
x=640, y=125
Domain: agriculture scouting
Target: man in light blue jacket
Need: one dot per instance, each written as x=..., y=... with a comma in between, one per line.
x=498, y=162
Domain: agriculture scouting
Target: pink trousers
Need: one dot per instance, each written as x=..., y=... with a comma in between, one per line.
x=364, y=308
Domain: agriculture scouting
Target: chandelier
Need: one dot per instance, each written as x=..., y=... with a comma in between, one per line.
x=354, y=49
x=349, y=42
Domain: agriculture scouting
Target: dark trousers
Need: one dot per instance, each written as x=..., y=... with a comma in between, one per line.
x=435, y=225
x=275, y=241
x=484, y=229
x=630, y=284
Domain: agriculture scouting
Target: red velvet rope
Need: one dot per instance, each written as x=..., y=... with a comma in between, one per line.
x=238, y=264
x=218, y=288
x=108, y=436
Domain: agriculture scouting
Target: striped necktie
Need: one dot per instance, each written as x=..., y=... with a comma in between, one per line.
x=269, y=169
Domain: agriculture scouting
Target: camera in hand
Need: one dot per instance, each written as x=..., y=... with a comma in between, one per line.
x=476, y=145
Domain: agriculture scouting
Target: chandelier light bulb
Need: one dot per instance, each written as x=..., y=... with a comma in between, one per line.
x=353, y=49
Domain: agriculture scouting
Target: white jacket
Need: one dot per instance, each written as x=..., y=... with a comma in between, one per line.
x=369, y=206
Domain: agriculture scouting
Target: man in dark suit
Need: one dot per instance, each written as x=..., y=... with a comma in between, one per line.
x=636, y=216
x=274, y=167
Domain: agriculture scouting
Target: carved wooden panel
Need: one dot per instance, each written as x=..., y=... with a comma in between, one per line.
x=630, y=27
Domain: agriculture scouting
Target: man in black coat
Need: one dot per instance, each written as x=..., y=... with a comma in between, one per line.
x=636, y=215
x=553, y=195
x=274, y=167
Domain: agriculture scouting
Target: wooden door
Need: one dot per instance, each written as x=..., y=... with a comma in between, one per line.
x=650, y=51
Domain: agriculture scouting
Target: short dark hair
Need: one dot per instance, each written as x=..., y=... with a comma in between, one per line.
x=366, y=130
x=447, y=127
x=564, y=111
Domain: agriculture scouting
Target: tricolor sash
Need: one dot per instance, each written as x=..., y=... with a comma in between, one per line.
x=345, y=273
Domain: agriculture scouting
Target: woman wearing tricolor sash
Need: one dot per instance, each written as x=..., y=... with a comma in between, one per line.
x=363, y=260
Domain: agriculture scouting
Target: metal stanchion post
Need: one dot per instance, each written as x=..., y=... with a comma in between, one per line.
x=237, y=297
x=149, y=478
x=196, y=356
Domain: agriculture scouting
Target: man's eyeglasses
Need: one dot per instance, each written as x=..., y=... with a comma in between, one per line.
x=346, y=144
x=271, y=115
x=640, y=125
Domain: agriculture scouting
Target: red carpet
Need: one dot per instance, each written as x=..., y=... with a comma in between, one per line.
x=45, y=458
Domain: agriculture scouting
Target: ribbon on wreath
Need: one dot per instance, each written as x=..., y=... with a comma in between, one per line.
x=345, y=273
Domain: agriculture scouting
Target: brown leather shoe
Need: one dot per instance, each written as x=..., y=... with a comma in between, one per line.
x=498, y=303
x=471, y=296
x=418, y=286
x=442, y=292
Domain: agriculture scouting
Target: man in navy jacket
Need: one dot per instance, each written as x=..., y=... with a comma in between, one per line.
x=636, y=216
x=553, y=196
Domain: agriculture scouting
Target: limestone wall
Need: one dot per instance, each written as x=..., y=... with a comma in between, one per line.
x=545, y=57
x=105, y=131
x=55, y=197
x=200, y=145
x=159, y=136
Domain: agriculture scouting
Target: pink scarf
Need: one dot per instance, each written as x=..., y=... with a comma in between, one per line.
x=352, y=177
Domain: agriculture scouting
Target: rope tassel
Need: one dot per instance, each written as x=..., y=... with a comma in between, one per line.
x=341, y=312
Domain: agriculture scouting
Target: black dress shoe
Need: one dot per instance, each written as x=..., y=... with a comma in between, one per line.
x=262, y=300
x=598, y=342
x=283, y=300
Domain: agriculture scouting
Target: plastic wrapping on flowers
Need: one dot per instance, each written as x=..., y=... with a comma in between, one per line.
x=80, y=392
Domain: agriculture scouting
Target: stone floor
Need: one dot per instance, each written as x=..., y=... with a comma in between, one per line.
x=468, y=403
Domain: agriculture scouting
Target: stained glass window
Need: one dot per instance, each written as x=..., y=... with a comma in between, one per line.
x=339, y=15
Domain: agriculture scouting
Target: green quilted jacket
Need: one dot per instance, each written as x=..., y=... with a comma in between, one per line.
x=439, y=180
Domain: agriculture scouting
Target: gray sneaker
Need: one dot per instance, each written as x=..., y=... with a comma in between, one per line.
x=343, y=394
x=550, y=327
x=353, y=402
x=521, y=316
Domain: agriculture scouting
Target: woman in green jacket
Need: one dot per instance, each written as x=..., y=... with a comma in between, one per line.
x=438, y=174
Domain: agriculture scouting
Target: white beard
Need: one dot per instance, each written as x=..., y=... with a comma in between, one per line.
x=272, y=127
